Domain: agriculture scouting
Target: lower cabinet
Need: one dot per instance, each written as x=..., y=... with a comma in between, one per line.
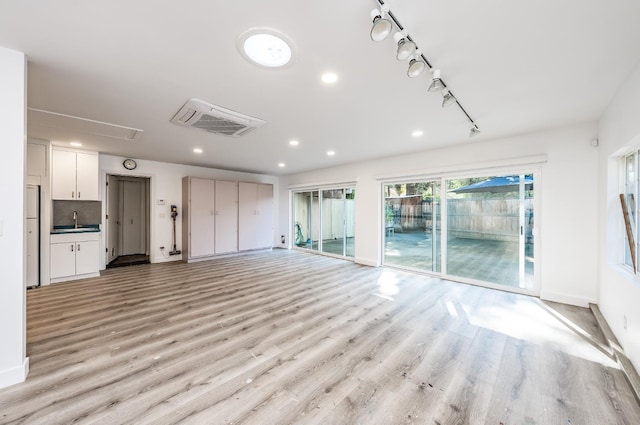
x=74, y=256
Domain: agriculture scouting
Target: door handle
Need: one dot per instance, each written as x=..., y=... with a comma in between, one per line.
x=78, y=247
x=71, y=247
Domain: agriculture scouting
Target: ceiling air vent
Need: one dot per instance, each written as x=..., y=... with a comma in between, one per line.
x=215, y=119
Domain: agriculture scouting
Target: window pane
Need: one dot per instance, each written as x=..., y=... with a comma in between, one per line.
x=412, y=226
x=306, y=219
x=490, y=229
x=630, y=196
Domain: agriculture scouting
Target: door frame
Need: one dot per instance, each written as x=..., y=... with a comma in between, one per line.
x=527, y=168
x=147, y=181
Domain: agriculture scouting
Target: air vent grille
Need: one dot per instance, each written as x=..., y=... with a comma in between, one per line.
x=219, y=125
x=215, y=119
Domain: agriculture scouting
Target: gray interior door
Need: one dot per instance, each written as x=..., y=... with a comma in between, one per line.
x=132, y=217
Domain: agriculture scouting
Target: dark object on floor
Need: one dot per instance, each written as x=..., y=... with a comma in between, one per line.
x=129, y=260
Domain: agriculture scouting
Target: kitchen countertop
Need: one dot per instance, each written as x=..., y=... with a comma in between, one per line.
x=84, y=228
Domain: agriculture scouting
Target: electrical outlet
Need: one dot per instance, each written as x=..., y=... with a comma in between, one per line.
x=624, y=322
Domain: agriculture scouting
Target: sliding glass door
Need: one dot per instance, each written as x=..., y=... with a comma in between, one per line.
x=412, y=225
x=490, y=229
x=307, y=219
x=324, y=221
x=478, y=229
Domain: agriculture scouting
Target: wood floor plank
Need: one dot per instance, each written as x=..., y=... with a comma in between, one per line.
x=284, y=337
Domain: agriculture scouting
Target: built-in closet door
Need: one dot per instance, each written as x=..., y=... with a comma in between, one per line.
x=264, y=233
x=202, y=217
x=226, y=217
x=255, y=215
x=247, y=212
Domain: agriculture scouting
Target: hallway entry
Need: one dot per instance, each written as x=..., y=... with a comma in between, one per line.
x=128, y=214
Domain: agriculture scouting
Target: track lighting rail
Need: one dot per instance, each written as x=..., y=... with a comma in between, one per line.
x=472, y=124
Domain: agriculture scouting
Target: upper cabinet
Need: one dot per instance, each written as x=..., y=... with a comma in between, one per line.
x=74, y=175
x=36, y=159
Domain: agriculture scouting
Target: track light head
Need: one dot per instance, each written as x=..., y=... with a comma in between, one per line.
x=474, y=130
x=416, y=66
x=448, y=99
x=381, y=26
x=436, y=82
x=406, y=47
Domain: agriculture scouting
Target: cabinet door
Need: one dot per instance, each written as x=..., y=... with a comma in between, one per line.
x=201, y=217
x=36, y=160
x=226, y=233
x=87, y=176
x=264, y=225
x=87, y=260
x=63, y=259
x=247, y=215
x=63, y=174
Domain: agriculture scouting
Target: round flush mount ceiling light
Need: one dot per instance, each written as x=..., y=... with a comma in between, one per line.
x=266, y=47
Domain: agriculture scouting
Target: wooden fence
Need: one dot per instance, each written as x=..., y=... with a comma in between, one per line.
x=490, y=219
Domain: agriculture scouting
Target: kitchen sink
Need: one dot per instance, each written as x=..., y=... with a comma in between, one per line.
x=74, y=230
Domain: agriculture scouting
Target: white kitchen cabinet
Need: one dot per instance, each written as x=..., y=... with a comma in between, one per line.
x=74, y=256
x=36, y=159
x=255, y=216
x=87, y=176
x=226, y=217
x=63, y=259
x=74, y=175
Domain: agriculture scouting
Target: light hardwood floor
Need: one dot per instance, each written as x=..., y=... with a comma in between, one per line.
x=284, y=337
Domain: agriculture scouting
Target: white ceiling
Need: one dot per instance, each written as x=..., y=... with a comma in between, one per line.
x=515, y=66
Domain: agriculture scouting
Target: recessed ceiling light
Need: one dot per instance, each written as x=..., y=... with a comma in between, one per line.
x=76, y=144
x=331, y=153
x=417, y=133
x=266, y=47
x=329, y=78
x=282, y=165
x=294, y=142
x=197, y=150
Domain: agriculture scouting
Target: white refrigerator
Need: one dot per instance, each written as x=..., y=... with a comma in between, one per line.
x=33, y=236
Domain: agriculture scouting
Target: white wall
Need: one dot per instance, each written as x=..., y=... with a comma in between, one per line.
x=566, y=187
x=14, y=365
x=619, y=289
x=166, y=184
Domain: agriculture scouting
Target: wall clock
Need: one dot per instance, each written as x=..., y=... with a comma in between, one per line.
x=129, y=164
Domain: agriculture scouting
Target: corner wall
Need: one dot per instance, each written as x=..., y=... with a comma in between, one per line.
x=14, y=365
x=567, y=220
x=166, y=184
x=619, y=289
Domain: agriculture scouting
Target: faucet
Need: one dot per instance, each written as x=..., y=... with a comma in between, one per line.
x=75, y=219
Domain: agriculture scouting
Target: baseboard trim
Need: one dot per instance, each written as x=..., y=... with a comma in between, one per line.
x=623, y=361
x=566, y=299
x=16, y=375
x=365, y=262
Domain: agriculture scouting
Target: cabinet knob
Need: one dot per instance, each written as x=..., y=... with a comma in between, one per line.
x=78, y=247
x=78, y=194
x=73, y=194
x=71, y=247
